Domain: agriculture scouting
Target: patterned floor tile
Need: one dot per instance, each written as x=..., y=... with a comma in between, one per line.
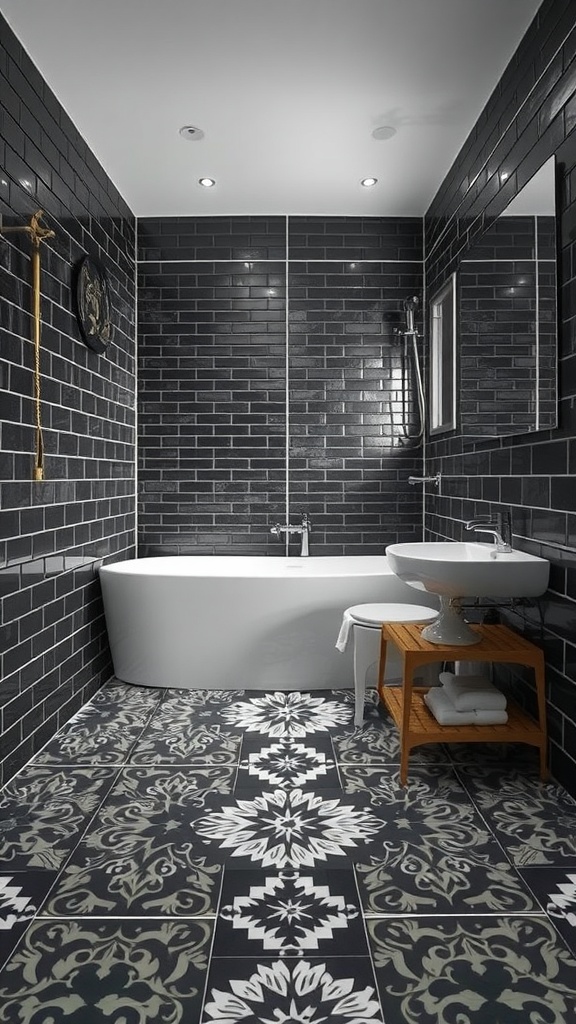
x=22, y=893
x=555, y=890
x=142, y=854
x=500, y=755
x=498, y=970
x=534, y=821
x=431, y=789
x=424, y=873
x=437, y=854
x=288, y=763
x=288, y=714
x=289, y=913
x=291, y=829
x=117, y=971
x=183, y=712
x=378, y=742
x=341, y=990
x=199, y=707
x=169, y=742
x=44, y=812
x=115, y=697
x=104, y=730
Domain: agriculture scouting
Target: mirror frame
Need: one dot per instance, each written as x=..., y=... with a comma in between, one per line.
x=443, y=348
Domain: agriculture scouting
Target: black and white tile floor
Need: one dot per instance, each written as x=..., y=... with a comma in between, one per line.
x=222, y=857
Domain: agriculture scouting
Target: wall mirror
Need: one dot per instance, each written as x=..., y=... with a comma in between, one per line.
x=507, y=331
x=443, y=322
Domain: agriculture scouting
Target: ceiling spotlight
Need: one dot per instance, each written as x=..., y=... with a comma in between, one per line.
x=192, y=134
x=206, y=182
x=368, y=182
x=383, y=133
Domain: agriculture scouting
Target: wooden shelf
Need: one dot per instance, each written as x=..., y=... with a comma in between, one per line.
x=417, y=724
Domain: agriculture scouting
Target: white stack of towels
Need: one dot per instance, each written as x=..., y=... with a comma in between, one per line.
x=466, y=698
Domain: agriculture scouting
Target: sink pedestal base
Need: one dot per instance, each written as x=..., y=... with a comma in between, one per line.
x=450, y=627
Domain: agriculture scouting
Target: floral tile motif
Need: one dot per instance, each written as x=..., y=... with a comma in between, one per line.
x=142, y=855
x=288, y=714
x=496, y=970
x=423, y=873
x=288, y=913
x=431, y=790
x=21, y=895
x=92, y=742
x=313, y=991
x=534, y=821
x=555, y=889
x=378, y=742
x=169, y=743
x=501, y=755
x=437, y=854
x=115, y=697
x=198, y=707
x=105, y=729
x=291, y=829
x=117, y=971
x=44, y=811
x=288, y=763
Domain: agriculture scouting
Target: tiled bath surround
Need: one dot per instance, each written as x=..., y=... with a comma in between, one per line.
x=53, y=647
x=530, y=115
x=271, y=383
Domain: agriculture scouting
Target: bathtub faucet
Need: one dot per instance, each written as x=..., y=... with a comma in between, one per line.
x=304, y=531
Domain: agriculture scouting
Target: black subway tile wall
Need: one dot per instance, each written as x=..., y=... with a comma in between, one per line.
x=212, y=382
x=530, y=116
x=271, y=383
x=53, y=646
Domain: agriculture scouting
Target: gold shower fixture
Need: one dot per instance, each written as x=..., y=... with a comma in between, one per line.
x=38, y=233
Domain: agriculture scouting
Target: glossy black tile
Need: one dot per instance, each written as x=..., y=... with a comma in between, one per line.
x=86, y=407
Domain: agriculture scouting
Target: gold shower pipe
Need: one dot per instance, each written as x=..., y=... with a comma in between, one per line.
x=38, y=234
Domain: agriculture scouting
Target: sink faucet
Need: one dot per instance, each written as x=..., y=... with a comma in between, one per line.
x=499, y=527
x=304, y=530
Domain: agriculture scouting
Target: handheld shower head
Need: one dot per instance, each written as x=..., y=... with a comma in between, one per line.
x=410, y=305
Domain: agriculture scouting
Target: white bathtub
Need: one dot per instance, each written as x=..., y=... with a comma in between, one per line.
x=217, y=622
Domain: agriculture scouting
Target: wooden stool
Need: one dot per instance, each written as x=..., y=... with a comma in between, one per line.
x=417, y=724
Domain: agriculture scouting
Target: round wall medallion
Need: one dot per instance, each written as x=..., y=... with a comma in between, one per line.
x=93, y=304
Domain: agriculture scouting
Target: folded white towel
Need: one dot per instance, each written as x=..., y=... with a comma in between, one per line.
x=472, y=693
x=473, y=668
x=445, y=713
x=344, y=634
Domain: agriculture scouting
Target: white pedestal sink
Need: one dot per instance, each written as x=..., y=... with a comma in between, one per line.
x=457, y=570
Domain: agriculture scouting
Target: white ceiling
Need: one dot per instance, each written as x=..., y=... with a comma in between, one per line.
x=287, y=93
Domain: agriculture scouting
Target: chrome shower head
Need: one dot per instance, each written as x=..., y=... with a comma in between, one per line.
x=410, y=305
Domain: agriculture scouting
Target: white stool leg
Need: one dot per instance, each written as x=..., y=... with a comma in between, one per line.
x=366, y=652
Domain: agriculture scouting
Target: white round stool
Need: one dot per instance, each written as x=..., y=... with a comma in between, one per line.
x=366, y=622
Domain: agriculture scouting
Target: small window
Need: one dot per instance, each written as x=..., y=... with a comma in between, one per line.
x=443, y=358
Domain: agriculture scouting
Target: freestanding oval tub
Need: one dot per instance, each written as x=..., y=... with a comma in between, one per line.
x=218, y=622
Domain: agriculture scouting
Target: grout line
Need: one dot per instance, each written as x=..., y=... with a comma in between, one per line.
x=136, y=390
x=454, y=216
x=287, y=393
x=281, y=260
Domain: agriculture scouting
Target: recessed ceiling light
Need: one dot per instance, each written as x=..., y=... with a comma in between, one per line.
x=368, y=182
x=206, y=182
x=383, y=133
x=192, y=134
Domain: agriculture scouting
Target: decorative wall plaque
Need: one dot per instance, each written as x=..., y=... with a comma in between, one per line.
x=93, y=304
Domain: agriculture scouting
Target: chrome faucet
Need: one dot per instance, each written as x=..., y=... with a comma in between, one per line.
x=304, y=530
x=499, y=527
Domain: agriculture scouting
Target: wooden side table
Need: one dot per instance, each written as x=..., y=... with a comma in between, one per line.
x=417, y=724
